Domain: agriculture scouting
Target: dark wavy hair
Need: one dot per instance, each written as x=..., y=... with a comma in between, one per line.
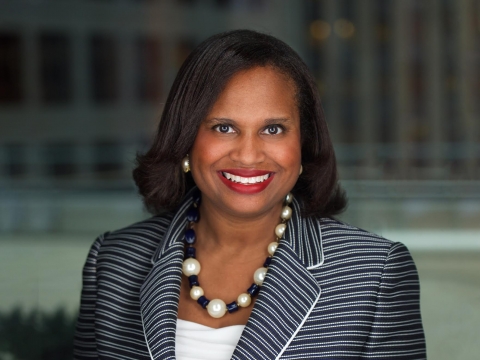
x=202, y=77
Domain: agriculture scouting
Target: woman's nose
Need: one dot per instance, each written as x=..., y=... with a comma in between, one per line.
x=248, y=150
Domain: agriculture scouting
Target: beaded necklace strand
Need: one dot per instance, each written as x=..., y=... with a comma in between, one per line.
x=191, y=267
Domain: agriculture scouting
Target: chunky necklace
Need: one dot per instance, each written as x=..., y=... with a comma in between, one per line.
x=191, y=267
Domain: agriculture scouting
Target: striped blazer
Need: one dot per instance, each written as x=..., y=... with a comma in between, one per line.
x=332, y=291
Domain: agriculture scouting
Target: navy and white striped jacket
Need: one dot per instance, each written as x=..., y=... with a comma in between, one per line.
x=345, y=294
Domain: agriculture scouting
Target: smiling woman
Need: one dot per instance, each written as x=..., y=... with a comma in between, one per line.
x=243, y=258
x=216, y=65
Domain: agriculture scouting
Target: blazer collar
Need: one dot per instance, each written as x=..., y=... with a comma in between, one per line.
x=288, y=295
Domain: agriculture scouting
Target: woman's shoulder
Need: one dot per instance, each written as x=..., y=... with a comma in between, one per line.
x=351, y=250
x=341, y=237
x=153, y=226
x=337, y=230
x=140, y=239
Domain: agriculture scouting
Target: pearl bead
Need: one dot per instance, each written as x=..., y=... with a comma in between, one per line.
x=280, y=230
x=289, y=198
x=191, y=267
x=186, y=164
x=286, y=212
x=216, y=308
x=272, y=247
x=259, y=276
x=244, y=300
x=196, y=292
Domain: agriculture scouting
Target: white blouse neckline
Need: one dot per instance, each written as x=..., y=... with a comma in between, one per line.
x=194, y=341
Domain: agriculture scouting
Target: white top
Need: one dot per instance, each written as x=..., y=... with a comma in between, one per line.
x=200, y=342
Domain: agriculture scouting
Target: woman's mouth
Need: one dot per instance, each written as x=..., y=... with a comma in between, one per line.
x=245, y=180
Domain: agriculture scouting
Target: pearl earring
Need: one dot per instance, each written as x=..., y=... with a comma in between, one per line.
x=301, y=170
x=186, y=164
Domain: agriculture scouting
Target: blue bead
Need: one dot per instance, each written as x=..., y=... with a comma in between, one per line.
x=267, y=262
x=193, y=215
x=197, y=197
x=190, y=252
x=193, y=280
x=232, y=307
x=253, y=289
x=190, y=236
x=202, y=300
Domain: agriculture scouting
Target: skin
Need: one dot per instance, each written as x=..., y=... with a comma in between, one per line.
x=254, y=124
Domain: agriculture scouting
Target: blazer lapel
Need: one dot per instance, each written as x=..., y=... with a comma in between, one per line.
x=159, y=304
x=288, y=295
x=160, y=291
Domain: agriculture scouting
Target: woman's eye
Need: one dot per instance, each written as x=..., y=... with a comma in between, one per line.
x=224, y=129
x=273, y=130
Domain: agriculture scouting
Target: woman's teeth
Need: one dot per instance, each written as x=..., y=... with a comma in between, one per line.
x=246, y=180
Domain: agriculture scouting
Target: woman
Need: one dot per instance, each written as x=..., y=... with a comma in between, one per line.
x=244, y=256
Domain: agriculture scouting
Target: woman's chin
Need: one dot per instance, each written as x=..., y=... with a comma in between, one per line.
x=244, y=206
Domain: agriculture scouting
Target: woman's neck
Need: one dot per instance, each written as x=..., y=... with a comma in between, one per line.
x=220, y=231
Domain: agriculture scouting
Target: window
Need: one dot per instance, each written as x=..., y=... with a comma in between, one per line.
x=183, y=49
x=60, y=159
x=348, y=113
x=148, y=69
x=108, y=158
x=385, y=71
x=10, y=69
x=15, y=160
x=55, y=68
x=104, y=69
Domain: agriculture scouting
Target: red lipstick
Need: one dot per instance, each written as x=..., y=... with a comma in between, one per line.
x=246, y=188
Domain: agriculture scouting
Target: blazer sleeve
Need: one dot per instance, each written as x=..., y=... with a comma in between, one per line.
x=397, y=330
x=85, y=346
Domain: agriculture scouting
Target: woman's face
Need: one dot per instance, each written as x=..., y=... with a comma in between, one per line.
x=247, y=153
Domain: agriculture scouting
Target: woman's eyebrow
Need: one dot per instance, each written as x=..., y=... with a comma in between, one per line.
x=266, y=122
x=272, y=121
x=219, y=120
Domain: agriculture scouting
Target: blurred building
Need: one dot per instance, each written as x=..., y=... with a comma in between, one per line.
x=82, y=81
x=401, y=83
x=82, y=84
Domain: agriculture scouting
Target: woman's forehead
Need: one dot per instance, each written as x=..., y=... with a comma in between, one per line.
x=258, y=89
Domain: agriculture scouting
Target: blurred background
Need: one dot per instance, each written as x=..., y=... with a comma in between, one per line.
x=82, y=84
